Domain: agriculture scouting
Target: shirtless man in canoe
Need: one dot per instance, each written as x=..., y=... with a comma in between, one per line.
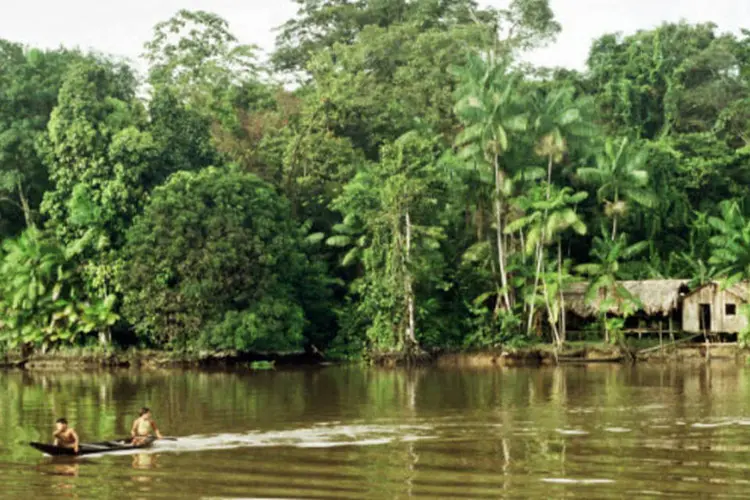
x=144, y=427
x=64, y=435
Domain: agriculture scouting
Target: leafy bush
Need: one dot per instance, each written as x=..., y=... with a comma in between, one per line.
x=42, y=302
x=216, y=261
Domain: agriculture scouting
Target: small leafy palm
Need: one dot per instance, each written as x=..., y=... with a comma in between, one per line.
x=621, y=176
x=30, y=264
x=698, y=270
x=604, y=272
x=730, y=246
x=730, y=251
x=547, y=214
x=561, y=216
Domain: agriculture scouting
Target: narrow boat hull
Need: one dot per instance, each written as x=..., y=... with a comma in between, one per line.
x=91, y=448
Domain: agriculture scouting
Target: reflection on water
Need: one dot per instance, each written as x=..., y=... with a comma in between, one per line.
x=605, y=431
x=60, y=467
x=144, y=461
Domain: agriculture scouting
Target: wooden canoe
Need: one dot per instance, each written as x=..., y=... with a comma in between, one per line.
x=91, y=448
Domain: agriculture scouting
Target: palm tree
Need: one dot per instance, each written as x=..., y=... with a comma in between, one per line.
x=558, y=120
x=561, y=216
x=604, y=273
x=488, y=106
x=621, y=176
x=545, y=221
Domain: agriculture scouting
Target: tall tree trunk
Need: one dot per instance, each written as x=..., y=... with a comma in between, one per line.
x=549, y=175
x=290, y=189
x=537, y=272
x=614, y=216
x=411, y=337
x=606, y=328
x=614, y=226
x=105, y=338
x=499, y=231
x=480, y=220
x=539, y=250
x=552, y=324
x=561, y=292
x=24, y=205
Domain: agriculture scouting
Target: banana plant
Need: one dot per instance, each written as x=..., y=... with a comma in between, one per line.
x=42, y=302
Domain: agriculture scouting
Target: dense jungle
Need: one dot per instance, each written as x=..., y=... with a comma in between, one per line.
x=392, y=178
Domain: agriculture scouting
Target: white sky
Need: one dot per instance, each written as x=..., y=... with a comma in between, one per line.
x=121, y=27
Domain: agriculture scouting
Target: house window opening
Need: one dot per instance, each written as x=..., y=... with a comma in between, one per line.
x=730, y=309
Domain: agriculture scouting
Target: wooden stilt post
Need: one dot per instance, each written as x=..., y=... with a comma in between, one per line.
x=671, y=329
x=660, y=326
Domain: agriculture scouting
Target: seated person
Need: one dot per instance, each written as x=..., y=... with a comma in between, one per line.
x=144, y=427
x=65, y=436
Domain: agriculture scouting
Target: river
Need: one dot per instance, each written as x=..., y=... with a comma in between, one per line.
x=596, y=431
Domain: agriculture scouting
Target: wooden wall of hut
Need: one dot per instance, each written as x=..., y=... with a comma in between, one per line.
x=713, y=309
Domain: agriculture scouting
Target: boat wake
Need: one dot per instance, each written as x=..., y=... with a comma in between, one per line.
x=320, y=436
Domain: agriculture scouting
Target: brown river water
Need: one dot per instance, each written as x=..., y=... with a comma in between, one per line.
x=597, y=431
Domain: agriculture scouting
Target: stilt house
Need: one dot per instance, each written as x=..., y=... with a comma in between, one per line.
x=715, y=309
x=667, y=305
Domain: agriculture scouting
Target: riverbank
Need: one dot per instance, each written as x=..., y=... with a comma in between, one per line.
x=533, y=355
x=590, y=352
x=91, y=359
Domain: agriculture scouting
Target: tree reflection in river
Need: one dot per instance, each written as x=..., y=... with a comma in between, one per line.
x=347, y=432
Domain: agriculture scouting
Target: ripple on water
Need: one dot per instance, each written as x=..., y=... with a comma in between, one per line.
x=711, y=425
x=571, y=432
x=567, y=480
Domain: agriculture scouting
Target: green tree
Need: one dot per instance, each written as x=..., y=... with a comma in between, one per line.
x=396, y=204
x=182, y=138
x=730, y=244
x=634, y=77
x=557, y=120
x=30, y=80
x=390, y=81
x=216, y=261
x=196, y=56
x=94, y=140
x=730, y=250
x=322, y=24
x=98, y=157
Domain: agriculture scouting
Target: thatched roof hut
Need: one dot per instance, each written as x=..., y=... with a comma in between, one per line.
x=659, y=297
